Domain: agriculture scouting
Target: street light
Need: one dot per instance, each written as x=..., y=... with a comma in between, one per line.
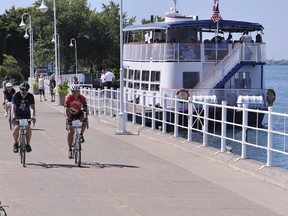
x=43, y=8
x=121, y=128
x=58, y=42
x=26, y=36
x=71, y=45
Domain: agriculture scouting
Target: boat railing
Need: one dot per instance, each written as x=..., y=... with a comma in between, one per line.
x=230, y=132
x=190, y=52
x=246, y=52
x=255, y=98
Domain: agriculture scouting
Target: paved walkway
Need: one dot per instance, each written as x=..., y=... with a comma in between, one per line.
x=143, y=174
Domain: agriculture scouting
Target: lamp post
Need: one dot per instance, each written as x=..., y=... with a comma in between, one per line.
x=43, y=8
x=71, y=45
x=58, y=42
x=121, y=128
x=26, y=36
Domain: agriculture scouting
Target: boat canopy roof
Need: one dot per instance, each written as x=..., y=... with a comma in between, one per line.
x=204, y=25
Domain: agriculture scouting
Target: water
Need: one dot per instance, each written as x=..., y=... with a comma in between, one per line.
x=275, y=78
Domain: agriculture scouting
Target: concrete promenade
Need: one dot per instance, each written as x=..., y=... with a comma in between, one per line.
x=143, y=174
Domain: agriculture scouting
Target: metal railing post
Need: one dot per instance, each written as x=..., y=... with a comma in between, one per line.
x=134, y=107
x=223, y=126
x=99, y=101
x=270, y=136
x=164, y=114
x=176, y=117
x=205, y=126
x=190, y=120
x=144, y=110
x=153, y=125
x=244, y=131
x=118, y=100
x=111, y=102
x=105, y=100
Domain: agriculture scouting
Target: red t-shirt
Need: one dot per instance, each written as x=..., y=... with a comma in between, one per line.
x=74, y=104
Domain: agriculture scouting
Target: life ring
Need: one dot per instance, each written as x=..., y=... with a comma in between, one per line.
x=271, y=97
x=183, y=94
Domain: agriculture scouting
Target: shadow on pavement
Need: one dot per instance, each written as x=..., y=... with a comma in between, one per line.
x=54, y=166
x=99, y=165
x=83, y=165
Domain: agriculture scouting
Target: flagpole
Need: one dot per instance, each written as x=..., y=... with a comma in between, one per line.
x=217, y=41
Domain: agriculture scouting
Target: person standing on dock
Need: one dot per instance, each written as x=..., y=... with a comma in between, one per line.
x=109, y=79
x=52, y=85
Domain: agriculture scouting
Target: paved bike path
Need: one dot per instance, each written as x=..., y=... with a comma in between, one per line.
x=149, y=174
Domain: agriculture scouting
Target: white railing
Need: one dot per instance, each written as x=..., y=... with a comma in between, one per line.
x=232, y=129
x=189, y=52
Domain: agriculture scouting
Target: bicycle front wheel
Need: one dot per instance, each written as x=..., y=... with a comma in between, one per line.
x=78, y=161
x=23, y=149
x=2, y=212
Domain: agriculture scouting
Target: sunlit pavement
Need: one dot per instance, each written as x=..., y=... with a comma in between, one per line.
x=144, y=174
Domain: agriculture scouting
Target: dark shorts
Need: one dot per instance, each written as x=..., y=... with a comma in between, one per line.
x=52, y=91
x=79, y=116
x=41, y=92
x=108, y=85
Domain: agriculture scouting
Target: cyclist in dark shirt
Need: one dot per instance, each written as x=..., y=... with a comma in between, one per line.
x=23, y=107
x=8, y=93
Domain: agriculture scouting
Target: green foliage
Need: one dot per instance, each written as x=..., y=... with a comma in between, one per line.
x=35, y=84
x=62, y=88
x=155, y=19
x=10, y=68
x=96, y=33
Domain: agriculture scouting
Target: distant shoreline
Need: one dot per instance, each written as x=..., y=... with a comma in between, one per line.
x=277, y=62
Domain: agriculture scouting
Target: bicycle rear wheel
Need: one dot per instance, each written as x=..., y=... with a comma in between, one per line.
x=10, y=120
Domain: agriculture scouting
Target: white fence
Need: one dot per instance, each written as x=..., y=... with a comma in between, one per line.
x=217, y=125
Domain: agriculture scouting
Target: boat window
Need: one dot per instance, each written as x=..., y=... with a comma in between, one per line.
x=136, y=85
x=130, y=85
x=144, y=86
x=145, y=75
x=130, y=74
x=154, y=87
x=190, y=79
x=125, y=83
x=125, y=73
x=242, y=80
x=137, y=75
x=155, y=76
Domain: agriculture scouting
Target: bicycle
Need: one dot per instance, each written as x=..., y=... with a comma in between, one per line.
x=76, y=144
x=9, y=106
x=23, y=124
x=2, y=210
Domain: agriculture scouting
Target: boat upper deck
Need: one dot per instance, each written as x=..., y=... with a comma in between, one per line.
x=191, y=41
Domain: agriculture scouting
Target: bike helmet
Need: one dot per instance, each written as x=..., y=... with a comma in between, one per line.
x=75, y=88
x=8, y=85
x=24, y=86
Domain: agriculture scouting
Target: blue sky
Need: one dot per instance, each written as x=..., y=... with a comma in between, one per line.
x=271, y=14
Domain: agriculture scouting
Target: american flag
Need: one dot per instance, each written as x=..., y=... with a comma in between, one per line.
x=216, y=13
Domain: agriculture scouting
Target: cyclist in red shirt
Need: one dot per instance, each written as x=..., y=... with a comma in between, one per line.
x=75, y=109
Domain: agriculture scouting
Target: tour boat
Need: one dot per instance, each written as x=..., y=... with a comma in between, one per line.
x=190, y=57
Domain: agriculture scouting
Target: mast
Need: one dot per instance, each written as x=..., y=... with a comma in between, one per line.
x=175, y=1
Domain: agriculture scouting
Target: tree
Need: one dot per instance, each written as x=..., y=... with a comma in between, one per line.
x=10, y=68
x=96, y=33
